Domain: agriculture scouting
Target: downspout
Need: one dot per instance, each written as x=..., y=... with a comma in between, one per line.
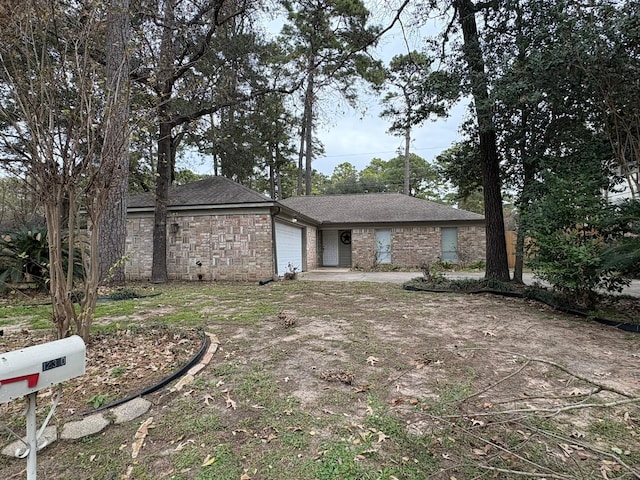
x=274, y=256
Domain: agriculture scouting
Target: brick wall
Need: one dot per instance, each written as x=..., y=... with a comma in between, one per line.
x=311, y=246
x=233, y=247
x=412, y=245
x=363, y=248
x=472, y=243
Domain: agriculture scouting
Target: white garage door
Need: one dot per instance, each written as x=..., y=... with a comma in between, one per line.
x=288, y=247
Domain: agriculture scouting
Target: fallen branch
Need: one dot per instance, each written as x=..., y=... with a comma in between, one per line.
x=577, y=442
x=551, y=411
x=601, y=386
x=550, y=473
x=495, y=384
x=525, y=474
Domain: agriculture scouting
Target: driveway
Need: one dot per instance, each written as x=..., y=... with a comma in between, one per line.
x=346, y=275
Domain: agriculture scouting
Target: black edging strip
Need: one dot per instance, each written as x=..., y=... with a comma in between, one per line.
x=153, y=388
x=109, y=299
x=100, y=300
x=627, y=327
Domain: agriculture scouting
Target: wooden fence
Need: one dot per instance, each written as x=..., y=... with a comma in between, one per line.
x=510, y=237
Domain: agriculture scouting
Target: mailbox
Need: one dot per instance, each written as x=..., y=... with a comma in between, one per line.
x=33, y=368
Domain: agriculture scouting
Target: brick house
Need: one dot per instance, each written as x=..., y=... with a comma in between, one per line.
x=366, y=230
x=220, y=230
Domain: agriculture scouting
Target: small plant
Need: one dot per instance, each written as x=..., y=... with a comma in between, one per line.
x=24, y=257
x=96, y=401
x=292, y=272
x=478, y=265
x=432, y=272
x=117, y=371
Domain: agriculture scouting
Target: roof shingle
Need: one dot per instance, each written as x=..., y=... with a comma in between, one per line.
x=375, y=208
x=210, y=191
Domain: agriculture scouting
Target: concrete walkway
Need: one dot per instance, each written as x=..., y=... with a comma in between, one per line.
x=329, y=274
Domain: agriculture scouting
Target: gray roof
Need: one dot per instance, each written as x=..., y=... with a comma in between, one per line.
x=208, y=192
x=375, y=208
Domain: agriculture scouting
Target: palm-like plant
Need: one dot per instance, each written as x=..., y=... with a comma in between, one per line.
x=24, y=257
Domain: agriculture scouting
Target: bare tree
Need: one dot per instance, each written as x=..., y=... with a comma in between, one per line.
x=53, y=112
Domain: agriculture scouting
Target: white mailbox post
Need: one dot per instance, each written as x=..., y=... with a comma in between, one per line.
x=24, y=372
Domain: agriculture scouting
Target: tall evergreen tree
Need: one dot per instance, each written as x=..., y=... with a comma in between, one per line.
x=175, y=40
x=115, y=147
x=326, y=40
x=414, y=93
x=497, y=265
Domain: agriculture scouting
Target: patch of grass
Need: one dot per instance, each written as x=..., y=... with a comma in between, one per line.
x=226, y=369
x=259, y=387
x=609, y=429
x=115, y=309
x=36, y=317
x=339, y=461
x=448, y=397
x=187, y=458
x=294, y=438
x=203, y=424
x=225, y=467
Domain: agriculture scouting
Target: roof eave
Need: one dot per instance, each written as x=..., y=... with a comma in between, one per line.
x=224, y=206
x=402, y=222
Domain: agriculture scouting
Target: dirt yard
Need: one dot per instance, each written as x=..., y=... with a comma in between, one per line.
x=350, y=381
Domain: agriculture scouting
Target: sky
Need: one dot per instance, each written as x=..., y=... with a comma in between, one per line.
x=358, y=139
x=350, y=136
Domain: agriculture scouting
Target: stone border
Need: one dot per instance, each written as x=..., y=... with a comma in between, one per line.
x=125, y=412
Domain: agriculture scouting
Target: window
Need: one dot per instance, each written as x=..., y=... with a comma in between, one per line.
x=383, y=246
x=449, y=244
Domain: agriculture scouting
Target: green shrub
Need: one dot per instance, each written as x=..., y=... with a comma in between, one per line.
x=432, y=272
x=124, y=294
x=572, y=226
x=24, y=257
x=478, y=265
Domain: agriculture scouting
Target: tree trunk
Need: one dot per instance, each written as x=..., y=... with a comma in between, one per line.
x=301, y=158
x=308, y=118
x=163, y=181
x=163, y=169
x=496, y=255
x=525, y=199
x=407, y=158
x=63, y=310
x=115, y=151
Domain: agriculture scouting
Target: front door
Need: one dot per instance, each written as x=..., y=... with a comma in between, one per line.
x=330, y=248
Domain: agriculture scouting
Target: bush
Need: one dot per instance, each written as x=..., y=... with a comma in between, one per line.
x=24, y=257
x=478, y=265
x=124, y=294
x=432, y=272
x=572, y=227
x=624, y=253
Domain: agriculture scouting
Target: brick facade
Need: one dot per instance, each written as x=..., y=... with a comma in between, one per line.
x=412, y=245
x=311, y=248
x=231, y=247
